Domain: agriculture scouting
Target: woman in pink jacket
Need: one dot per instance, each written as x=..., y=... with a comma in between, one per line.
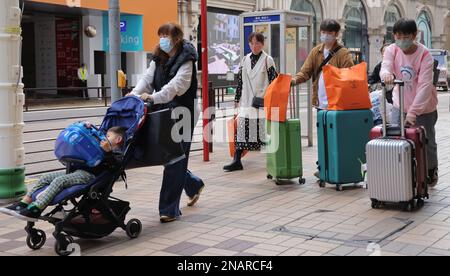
x=413, y=63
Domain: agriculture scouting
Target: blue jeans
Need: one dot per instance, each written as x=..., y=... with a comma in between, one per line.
x=193, y=185
x=174, y=181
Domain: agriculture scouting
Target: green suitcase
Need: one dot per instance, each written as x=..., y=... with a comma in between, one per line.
x=284, y=151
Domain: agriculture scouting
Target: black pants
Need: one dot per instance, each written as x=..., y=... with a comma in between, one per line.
x=85, y=90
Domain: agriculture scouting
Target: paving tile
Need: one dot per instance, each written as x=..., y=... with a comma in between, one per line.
x=243, y=214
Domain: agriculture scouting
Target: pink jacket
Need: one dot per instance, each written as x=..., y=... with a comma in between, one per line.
x=416, y=71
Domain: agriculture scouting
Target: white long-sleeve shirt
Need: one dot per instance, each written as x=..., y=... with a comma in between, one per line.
x=178, y=86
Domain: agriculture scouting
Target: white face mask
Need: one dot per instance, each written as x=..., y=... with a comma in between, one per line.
x=327, y=38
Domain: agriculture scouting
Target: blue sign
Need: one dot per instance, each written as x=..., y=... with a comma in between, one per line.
x=247, y=31
x=123, y=26
x=131, y=33
x=262, y=19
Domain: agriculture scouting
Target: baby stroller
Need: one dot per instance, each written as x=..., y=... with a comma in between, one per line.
x=94, y=199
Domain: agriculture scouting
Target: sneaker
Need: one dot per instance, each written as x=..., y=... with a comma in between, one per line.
x=30, y=214
x=14, y=208
x=194, y=199
x=166, y=219
x=434, y=177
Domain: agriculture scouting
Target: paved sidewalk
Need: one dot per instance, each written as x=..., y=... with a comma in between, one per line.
x=244, y=214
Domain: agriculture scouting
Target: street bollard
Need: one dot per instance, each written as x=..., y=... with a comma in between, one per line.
x=12, y=100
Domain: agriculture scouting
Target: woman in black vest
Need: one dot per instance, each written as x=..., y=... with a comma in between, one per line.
x=171, y=81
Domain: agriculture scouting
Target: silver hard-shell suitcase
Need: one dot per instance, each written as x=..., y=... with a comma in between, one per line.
x=391, y=167
x=390, y=170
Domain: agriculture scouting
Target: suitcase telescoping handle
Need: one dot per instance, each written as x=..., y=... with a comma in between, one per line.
x=293, y=103
x=401, y=85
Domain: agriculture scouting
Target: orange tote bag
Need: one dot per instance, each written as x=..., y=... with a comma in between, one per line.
x=277, y=97
x=232, y=131
x=347, y=88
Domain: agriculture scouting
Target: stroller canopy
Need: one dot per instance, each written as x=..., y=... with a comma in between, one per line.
x=128, y=112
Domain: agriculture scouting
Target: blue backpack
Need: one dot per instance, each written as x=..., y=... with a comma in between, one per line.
x=81, y=143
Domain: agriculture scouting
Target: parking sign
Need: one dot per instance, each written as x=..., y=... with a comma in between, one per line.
x=123, y=26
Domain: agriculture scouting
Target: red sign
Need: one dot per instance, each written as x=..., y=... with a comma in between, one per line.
x=67, y=52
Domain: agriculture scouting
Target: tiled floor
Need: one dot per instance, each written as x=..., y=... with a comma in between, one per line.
x=244, y=214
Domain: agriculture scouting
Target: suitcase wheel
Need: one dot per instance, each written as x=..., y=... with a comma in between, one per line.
x=269, y=177
x=375, y=204
x=420, y=203
x=322, y=184
x=339, y=188
x=408, y=206
x=302, y=181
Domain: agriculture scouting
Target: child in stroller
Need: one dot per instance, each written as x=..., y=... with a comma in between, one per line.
x=91, y=197
x=55, y=182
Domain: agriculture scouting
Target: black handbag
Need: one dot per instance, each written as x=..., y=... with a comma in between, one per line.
x=258, y=102
x=154, y=145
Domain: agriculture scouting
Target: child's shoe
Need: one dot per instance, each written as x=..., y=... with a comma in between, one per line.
x=14, y=208
x=30, y=214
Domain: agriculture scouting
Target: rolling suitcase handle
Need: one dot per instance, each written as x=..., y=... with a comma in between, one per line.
x=401, y=85
x=293, y=104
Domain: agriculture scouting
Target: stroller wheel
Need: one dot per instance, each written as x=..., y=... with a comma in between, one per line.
x=134, y=228
x=36, y=239
x=61, y=244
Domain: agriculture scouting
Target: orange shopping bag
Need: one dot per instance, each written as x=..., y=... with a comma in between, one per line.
x=232, y=131
x=276, y=98
x=347, y=88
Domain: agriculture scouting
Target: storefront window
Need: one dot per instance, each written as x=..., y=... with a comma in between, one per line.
x=390, y=18
x=315, y=9
x=356, y=36
x=424, y=25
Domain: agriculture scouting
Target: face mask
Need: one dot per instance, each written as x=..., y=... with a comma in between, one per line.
x=327, y=38
x=165, y=45
x=404, y=44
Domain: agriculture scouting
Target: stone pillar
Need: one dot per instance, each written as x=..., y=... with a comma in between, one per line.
x=189, y=12
x=183, y=15
x=193, y=21
x=438, y=42
x=343, y=23
x=376, y=39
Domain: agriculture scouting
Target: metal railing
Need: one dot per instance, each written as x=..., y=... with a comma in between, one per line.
x=219, y=99
x=43, y=96
x=218, y=96
x=41, y=156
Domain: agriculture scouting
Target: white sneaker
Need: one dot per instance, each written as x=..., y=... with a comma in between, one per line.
x=194, y=199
